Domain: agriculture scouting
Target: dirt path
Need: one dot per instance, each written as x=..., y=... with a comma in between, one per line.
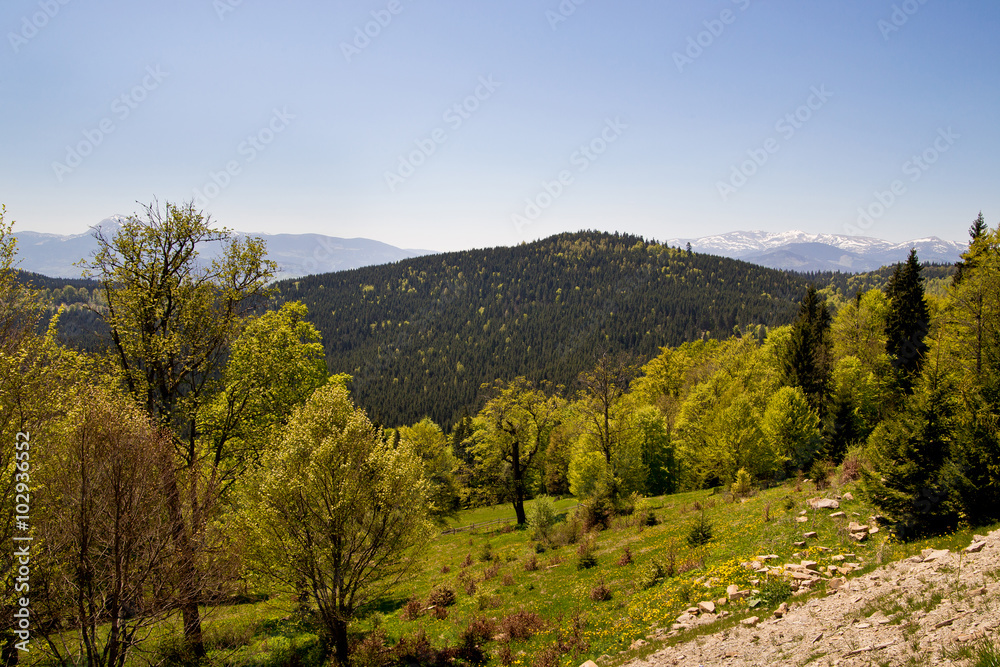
x=905, y=613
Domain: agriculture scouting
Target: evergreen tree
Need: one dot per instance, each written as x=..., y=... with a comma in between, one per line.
x=907, y=321
x=808, y=361
x=976, y=232
x=914, y=480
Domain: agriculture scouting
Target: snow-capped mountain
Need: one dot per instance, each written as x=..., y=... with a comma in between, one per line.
x=801, y=251
x=297, y=255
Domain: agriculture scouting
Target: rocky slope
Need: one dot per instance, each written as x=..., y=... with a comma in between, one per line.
x=919, y=611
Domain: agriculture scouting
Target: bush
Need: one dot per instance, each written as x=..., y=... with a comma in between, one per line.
x=542, y=518
x=475, y=635
x=585, y=556
x=413, y=609
x=701, y=532
x=774, y=591
x=596, y=513
x=491, y=571
x=851, y=469
x=741, y=488
x=655, y=573
x=567, y=533
x=531, y=564
x=441, y=596
x=469, y=586
x=821, y=472
x=521, y=625
x=600, y=593
x=548, y=657
x=486, y=553
x=626, y=557
x=440, y=613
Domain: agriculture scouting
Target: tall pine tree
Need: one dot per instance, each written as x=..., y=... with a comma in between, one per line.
x=908, y=320
x=808, y=361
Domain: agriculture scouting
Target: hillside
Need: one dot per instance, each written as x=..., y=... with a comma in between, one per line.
x=421, y=336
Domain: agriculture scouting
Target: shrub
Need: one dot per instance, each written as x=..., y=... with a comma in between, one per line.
x=654, y=574
x=774, y=591
x=441, y=596
x=567, y=532
x=596, y=513
x=741, y=488
x=445, y=569
x=413, y=609
x=701, y=532
x=440, y=613
x=486, y=553
x=650, y=519
x=469, y=586
x=371, y=651
x=548, y=657
x=468, y=560
x=508, y=579
x=542, y=518
x=851, y=470
x=626, y=557
x=821, y=472
x=521, y=624
x=531, y=564
x=585, y=556
x=600, y=593
x=491, y=571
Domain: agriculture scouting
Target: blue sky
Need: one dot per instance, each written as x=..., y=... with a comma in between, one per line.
x=666, y=119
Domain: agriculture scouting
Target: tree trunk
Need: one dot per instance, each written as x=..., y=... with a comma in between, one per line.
x=8, y=654
x=341, y=648
x=190, y=589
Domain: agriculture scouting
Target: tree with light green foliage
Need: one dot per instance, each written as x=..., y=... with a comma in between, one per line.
x=516, y=423
x=182, y=339
x=336, y=505
x=440, y=465
x=792, y=427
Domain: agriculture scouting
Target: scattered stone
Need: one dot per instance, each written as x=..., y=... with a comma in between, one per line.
x=798, y=544
x=801, y=519
x=810, y=535
x=836, y=584
x=872, y=531
x=810, y=565
x=781, y=610
x=847, y=496
x=824, y=504
x=753, y=620
x=934, y=554
x=855, y=527
x=589, y=663
x=685, y=619
x=824, y=549
x=975, y=547
x=707, y=606
x=637, y=644
x=860, y=537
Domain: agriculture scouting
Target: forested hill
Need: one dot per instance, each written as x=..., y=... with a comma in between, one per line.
x=420, y=336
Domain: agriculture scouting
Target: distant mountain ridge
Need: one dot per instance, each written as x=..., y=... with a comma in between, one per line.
x=297, y=255
x=801, y=251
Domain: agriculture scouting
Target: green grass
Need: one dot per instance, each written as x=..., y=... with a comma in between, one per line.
x=266, y=634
